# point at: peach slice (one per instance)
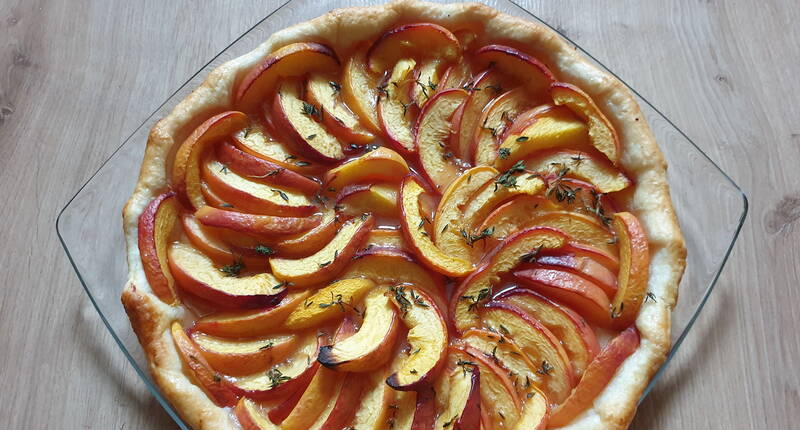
(601, 132)
(554, 375)
(393, 103)
(554, 127)
(580, 227)
(207, 240)
(426, 82)
(324, 92)
(529, 70)
(379, 199)
(315, 401)
(580, 165)
(432, 135)
(596, 377)
(329, 303)
(255, 224)
(483, 88)
(186, 167)
(257, 168)
(499, 398)
(427, 336)
(298, 119)
(477, 287)
(456, 76)
(312, 240)
(462, 410)
(412, 41)
(574, 291)
(609, 261)
(256, 141)
(573, 331)
(376, 403)
(219, 389)
(583, 266)
(285, 378)
(413, 226)
(196, 274)
(448, 214)
(250, 417)
(634, 258)
(295, 59)
(242, 357)
(535, 412)
(254, 196)
(425, 411)
(380, 165)
(518, 211)
(347, 402)
(372, 345)
(385, 238)
(359, 89)
(155, 226)
(393, 266)
(496, 117)
(326, 263)
(257, 322)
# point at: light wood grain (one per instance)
(76, 77)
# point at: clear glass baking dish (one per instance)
(710, 206)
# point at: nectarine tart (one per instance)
(405, 216)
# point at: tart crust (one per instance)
(641, 159)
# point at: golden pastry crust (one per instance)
(641, 159)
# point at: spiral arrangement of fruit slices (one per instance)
(424, 235)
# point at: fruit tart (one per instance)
(405, 216)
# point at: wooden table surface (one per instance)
(76, 77)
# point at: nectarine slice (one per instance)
(379, 199)
(317, 400)
(207, 240)
(496, 117)
(456, 76)
(386, 238)
(312, 240)
(219, 389)
(583, 266)
(426, 80)
(413, 226)
(580, 227)
(295, 59)
(251, 323)
(326, 263)
(359, 89)
(463, 408)
(154, 228)
(432, 136)
(579, 165)
(256, 141)
(601, 132)
(250, 417)
(376, 405)
(634, 269)
(415, 40)
(242, 357)
(380, 165)
(499, 398)
(526, 68)
(347, 402)
(324, 92)
(393, 107)
(264, 170)
(255, 224)
(328, 303)
(483, 88)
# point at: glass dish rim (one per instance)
(154, 390)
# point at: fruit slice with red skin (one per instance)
(253, 167)
(310, 241)
(611, 262)
(426, 82)
(358, 89)
(497, 117)
(535, 412)
(456, 196)
(324, 92)
(347, 403)
(499, 398)
(242, 357)
(416, 40)
(425, 410)
(255, 224)
(540, 345)
(582, 166)
(427, 336)
(295, 59)
(597, 376)
(254, 196)
(207, 240)
(380, 165)
(386, 238)
(601, 132)
(251, 323)
(417, 237)
(374, 411)
(583, 266)
(379, 199)
(478, 286)
(580, 294)
(574, 332)
(250, 417)
(556, 127)
(455, 76)
(298, 120)
(326, 263)
(515, 212)
(579, 227)
(196, 274)
(634, 258)
(285, 378)
(187, 164)
(463, 407)
(256, 141)
(393, 114)
(154, 227)
(218, 389)
(483, 88)
(394, 266)
(315, 400)
(432, 131)
(324, 304)
(528, 69)
(372, 345)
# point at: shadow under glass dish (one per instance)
(90, 225)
